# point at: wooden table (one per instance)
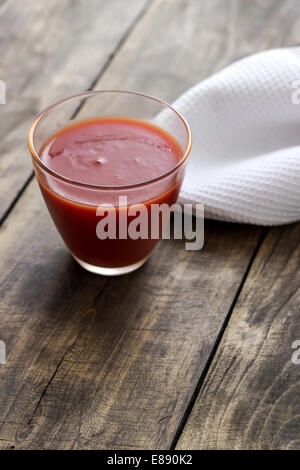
(193, 351)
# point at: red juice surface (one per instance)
(107, 152)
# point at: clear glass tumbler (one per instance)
(73, 204)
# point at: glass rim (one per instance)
(45, 112)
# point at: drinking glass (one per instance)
(73, 204)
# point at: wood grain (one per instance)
(96, 363)
(49, 50)
(250, 398)
(181, 42)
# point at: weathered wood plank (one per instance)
(250, 398)
(181, 42)
(113, 364)
(116, 361)
(47, 51)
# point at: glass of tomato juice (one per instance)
(101, 158)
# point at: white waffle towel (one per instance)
(245, 122)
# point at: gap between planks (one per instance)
(217, 342)
(111, 57)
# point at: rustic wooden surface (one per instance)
(194, 349)
(250, 397)
(49, 50)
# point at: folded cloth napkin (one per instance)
(245, 157)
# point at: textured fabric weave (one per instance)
(245, 158)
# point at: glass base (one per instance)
(110, 271)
